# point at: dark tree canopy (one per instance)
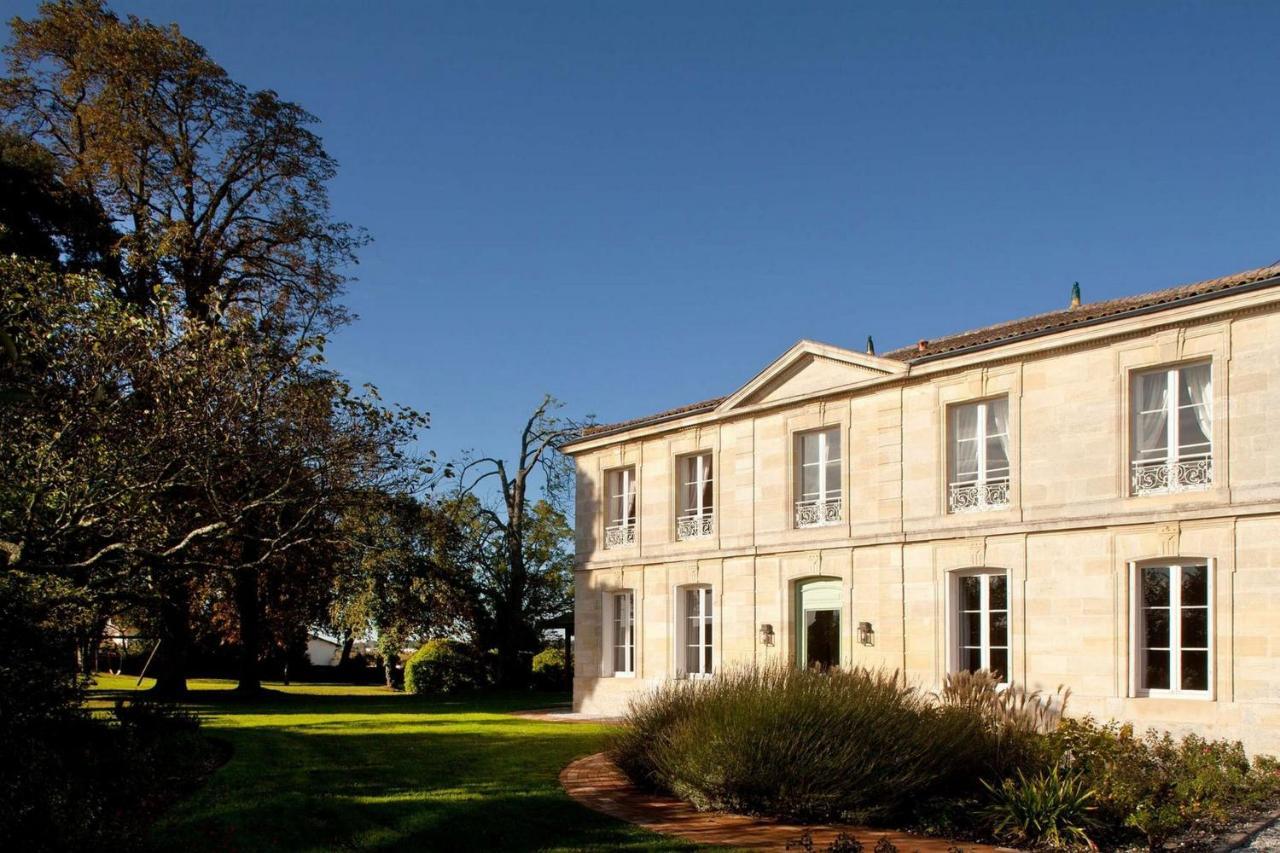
(218, 192)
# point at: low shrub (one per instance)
(443, 666)
(153, 719)
(1157, 786)
(847, 745)
(91, 783)
(1049, 809)
(549, 669)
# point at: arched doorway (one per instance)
(818, 623)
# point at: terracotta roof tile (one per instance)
(1089, 312)
(990, 336)
(691, 409)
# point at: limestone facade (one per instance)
(1068, 522)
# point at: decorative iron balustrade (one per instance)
(978, 497)
(1160, 477)
(620, 535)
(695, 526)
(819, 512)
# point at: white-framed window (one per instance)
(1171, 415)
(819, 499)
(980, 613)
(1173, 628)
(696, 515)
(620, 524)
(978, 456)
(622, 632)
(695, 632)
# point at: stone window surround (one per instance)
(1174, 348)
(951, 595)
(609, 467)
(977, 386)
(815, 418)
(949, 438)
(680, 448)
(1136, 691)
(608, 601)
(679, 645)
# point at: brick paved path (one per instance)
(597, 783)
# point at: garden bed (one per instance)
(973, 762)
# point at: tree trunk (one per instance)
(344, 660)
(248, 609)
(170, 664)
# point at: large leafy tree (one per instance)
(397, 580)
(219, 192)
(218, 228)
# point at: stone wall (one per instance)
(1068, 537)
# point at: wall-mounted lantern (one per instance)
(866, 635)
(766, 635)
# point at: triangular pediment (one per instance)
(810, 368)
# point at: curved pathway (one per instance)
(598, 784)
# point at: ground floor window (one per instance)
(623, 630)
(982, 622)
(696, 619)
(818, 623)
(1173, 627)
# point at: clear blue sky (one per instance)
(635, 206)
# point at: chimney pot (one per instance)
(920, 347)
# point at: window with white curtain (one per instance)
(620, 525)
(1173, 628)
(978, 464)
(1172, 429)
(696, 631)
(696, 516)
(981, 614)
(623, 630)
(818, 494)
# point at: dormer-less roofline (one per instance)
(957, 346)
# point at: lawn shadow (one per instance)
(398, 773)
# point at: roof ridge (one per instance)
(1046, 322)
(1088, 310)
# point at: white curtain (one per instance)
(964, 433)
(1199, 385)
(1000, 420)
(1152, 427)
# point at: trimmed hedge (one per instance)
(443, 666)
(549, 668)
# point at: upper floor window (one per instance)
(818, 496)
(982, 623)
(696, 631)
(1172, 622)
(979, 456)
(620, 527)
(697, 512)
(623, 624)
(1172, 417)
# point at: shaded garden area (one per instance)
(322, 767)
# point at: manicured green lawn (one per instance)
(325, 767)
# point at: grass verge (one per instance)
(325, 767)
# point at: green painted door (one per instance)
(818, 623)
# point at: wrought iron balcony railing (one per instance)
(978, 497)
(817, 513)
(1163, 477)
(694, 526)
(620, 535)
